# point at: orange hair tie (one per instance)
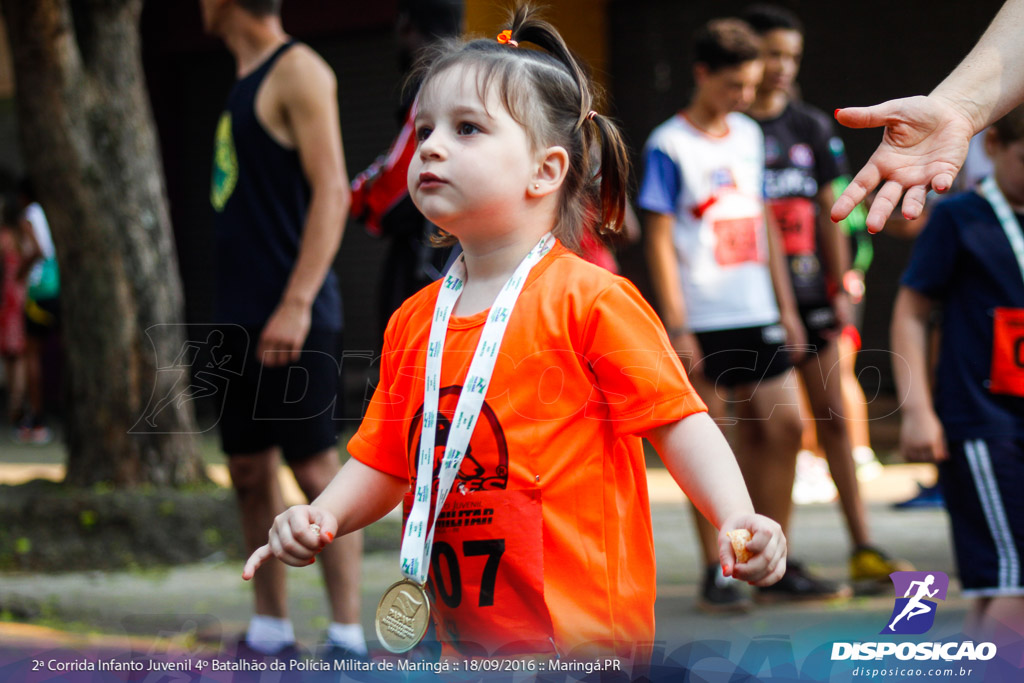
(505, 38)
(591, 115)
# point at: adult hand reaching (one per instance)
(923, 147)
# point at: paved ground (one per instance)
(196, 608)
(211, 599)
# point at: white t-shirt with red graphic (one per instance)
(714, 189)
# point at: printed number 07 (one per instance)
(452, 597)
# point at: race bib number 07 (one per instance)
(487, 574)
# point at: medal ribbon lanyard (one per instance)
(1011, 226)
(419, 529)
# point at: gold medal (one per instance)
(402, 616)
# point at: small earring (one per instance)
(536, 186)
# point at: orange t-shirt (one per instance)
(544, 544)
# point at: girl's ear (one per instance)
(552, 166)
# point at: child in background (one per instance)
(721, 283)
(561, 559)
(12, 311)
(970, 260)
(803, 158)
(42, 308)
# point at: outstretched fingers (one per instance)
(256, 560)
(874, 116)
(883, 205)
(913, 202)
(865, 181)
(942, 182)
(296, 537)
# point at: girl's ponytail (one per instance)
(613, 175)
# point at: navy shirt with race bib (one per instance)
(963, 259)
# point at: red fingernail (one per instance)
(311, 561)
(836, 113)
(330, 536)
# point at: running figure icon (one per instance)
(915, 606)
(200, 382)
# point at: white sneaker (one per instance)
(868, 466)
(813, 483)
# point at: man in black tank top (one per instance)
(280, 196)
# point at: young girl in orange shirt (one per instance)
(543, 545)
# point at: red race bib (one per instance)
(487, 574)
(1007, 376)
(736, 240)
(798, 224)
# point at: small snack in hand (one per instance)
(739, 539)
(315, 528)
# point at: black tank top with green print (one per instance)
(260, 195)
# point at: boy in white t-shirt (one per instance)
(722, 286)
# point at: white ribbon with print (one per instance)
(1007, 218)
(419, 528)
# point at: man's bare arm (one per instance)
(306, 89)
(926, 138)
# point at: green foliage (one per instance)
(87, 519)
(48, 526)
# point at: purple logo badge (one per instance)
(916, 592)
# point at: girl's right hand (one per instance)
(294, 538)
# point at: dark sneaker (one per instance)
(331, 652)
(336, 663)
(722, 595)
(242, 650)
(927, 497)
(250, 665)
(799, 585)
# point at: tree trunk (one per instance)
(90, 148)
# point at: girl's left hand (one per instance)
(767, 548)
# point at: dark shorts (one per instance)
(982, 483)
(745, 355)
(293, 407)
(41, 317)
(820, 324)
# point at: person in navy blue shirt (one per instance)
(970, 260)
